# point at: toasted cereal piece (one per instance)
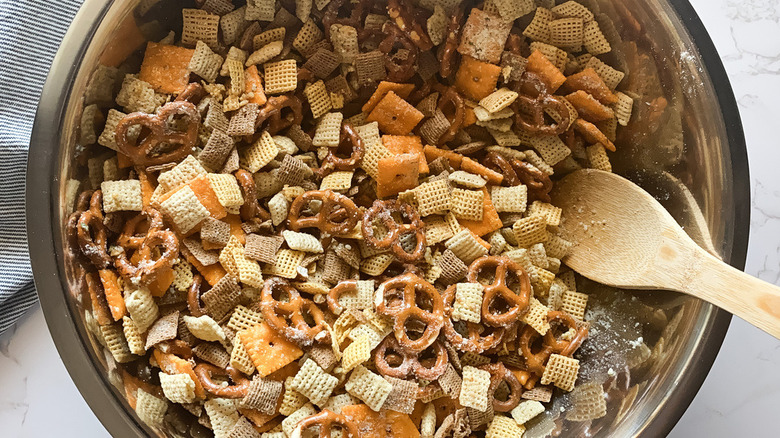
(483, 36)
(428, 421)
(323, 62)
(465, 246)
(271, 35)
(433, 197)
(200, 25)
(512, 10)
(402, 398)
(259, 153)
(467, 204)
(436, 25)
(573, 9)
(107, 138)
(293, 171)
(163, 329)
(376, 265)
(227, 256)
(433, 128)
(623, 108)
(302, 242)
(337, 181)
(281, 76)
(375, 149)
(567, 33)
(530, 230)
(314, 383)
(539, 28)
(184, 172)
(561, 371)
(212, 353)
(474, 389)
(551, 213)
(114, 339)
(243, 318)
(318, 98)
(370, 388)
(536, 317)
(504, 427)
(309, 34)
(609, 75)
(502, 125)
(122, 195)
(476, 79)
(328, 131)
(150, 409)
(436, 230)
(166, 67)
(467, 179)
(233, 25)
(227, 190)
(101, 86)
(594, 40)
(292, 420)
(178, 388)
(141, 307)
(222, 297)
(217, 150)
(263, 395)
(278, 206)
(204, 327)
(588, 402)
(287, 262)
(215, 232)
(574, 303)
(137, 95)
(249, 272)
(538, 255)
(222, 414)
(509, 199)
(292, 400)
(498, 100)
(345, 42)
(597, 157)
(506, 139)
(395, 115)
(468, 302)
(260, 10)
(527, 410)
(135, 342)
(205, 63)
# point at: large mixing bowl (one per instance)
(685, 145)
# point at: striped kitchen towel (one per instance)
(30, 32)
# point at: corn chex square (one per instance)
(313, 382)
(150, 409)
(467, 204)
(340, 181)
(122, 195)
(260, 153)
(574, 303)
(302, 242)
(328, 131)
(281, 77)
(466, 246)
(433, 197)
(527, 410)
(468, 302)
(561, 371)
(178, 388)
(371, 388)
(287, 263)
(319, 99)
(504, 427)
(474, 388)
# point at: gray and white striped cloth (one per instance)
(30, 33)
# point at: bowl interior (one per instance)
(684, 145)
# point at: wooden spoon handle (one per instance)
(753, 300)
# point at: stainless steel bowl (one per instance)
(685, 145)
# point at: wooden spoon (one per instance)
(624, 238)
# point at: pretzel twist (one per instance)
(250, 209)
(337, 215)
(288, 317)
(394, 361)
(536, 356)
(398, 298)
(515, 302)
(148, 267)
(193, 93)
(398, 71)
(146, 151)
(325, 421)
(92, 234)
(500, 374)
(497, 162)
(384, 210)
(403, 19)
(478, 337)
(538, 183)
(239, 388)
(448, 55)
(193, 297)
(348, 137)
(344, 286)
(449, 96)
(533, 102)
(272, 113)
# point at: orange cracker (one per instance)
(268, 350)
(592, 134)
(172, 364)
(432, 153)
(384, 87)
(406, 144)
(163, 280)
(116, 303)
(234, 221)
(547, 71)
(212, 273)
(166, 68)
(205, 194)
(396, 174)
(123, 161)
(589, 108)
(590, 81)
(99, 306)
(254, 84)
(147, 188)
(258, 419)
(380, 424)
(490, 220)
(469, 165)
(476, 79)
(395, 115)
(128, 39)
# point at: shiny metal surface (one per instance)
(685, 145)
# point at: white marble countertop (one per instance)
(741, 393)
